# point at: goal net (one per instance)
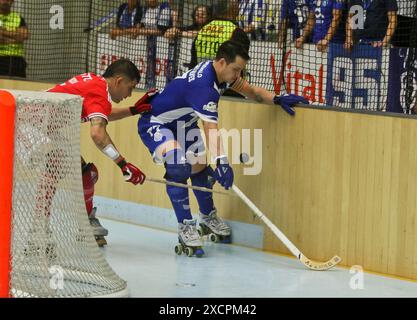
(53, 252)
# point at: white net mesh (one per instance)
(54, 253)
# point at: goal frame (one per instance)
(7, 114)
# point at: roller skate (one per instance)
(98, 230)
(189, 239)
(40, 244)
(213, 226)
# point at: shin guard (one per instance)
(90, 177)
(204, 199)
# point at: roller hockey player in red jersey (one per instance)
(98, 93)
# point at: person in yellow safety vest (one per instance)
(222, 28)
(13, 32)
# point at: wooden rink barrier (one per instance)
(333, 182)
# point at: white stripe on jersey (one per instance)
(172, 115)
(95, 114)
(206, 118)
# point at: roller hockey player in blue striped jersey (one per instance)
(171, 134)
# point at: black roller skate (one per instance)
(213, 226)
(189, 239)
(98, 230)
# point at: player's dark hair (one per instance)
(241, 37)
(122, 67)
(229, 50)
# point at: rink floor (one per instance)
(145, 258)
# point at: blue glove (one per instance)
(224, 173)
(287, 101)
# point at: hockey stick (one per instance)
(102, 22)
(175, 184)
(314, 265)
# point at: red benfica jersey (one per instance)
(96, 102)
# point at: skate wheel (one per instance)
(214, 237)
(101, 241)
(178, 249)
(199, 253)
(189, 251)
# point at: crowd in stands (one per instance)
(377, 23)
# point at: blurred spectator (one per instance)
(379, 25)
(13, 33)
(252, 18)
(128, 17)
(223, 27)
(201, 15)
(156, 18)
(325, 22)
(294, 14)
(405, 35)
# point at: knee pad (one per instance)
(90, 177)
(176, 166)
(204, 178)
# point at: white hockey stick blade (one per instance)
(317, 265)
(311, 264)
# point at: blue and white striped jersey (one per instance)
(187, 98)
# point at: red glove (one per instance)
(131, 173)
(143, 105)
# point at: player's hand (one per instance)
(322, 45)
(131, 173)
(143, 104)
(224, 173)
(299, 42)
(348, 45)
(287, 102)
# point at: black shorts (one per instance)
(12, 66)
(406, 33)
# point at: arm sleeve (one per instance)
(391, 5)
(22, 22)
(339, 4)
(95, 105)
(205, 101)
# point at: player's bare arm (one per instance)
(101, 138)
(141, 106)
(119, 113)
(261, 95)
(252, 92)
(103, 141)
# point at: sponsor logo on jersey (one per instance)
(210, 107)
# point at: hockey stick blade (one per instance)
(317, 265)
